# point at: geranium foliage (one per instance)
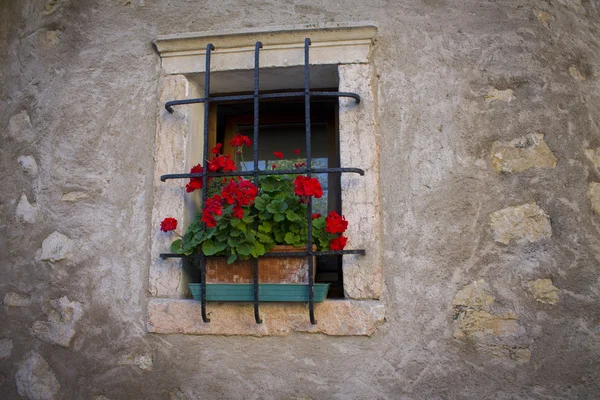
(242, 220)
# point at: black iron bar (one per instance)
(255, 171)
(360, 252)
(309, 244)
(278, 95)
(209, 47)
(265, 172)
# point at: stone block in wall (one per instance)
(524, 223)
(521, 154)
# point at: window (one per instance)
(341, 50)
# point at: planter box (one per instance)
(266, 292)
(270, 269)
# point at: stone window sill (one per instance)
(334, 317)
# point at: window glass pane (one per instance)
(286, 138)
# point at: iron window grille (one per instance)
(255, 172)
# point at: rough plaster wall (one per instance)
(78, 94)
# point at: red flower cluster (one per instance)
(212, 207)
(316, 215)
(297, 151)
(278, 154)
(217, 149)
(241, 192)
(338, 243)
(240, 140)
(334, 223)
(195, 183)
(299, 164)
(223, 163)
(306, 187)
(168, 224)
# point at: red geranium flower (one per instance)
(168, 224)
(238, 212)
(195, 183)
(241, 192)
(334, 223)
(217, 149)
(240, 140)
(316, 215)
(296, 151)
(224, 163)
(304, 186)
(212, 207)
(338, 243)
(278, 154)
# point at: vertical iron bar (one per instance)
(209, 47)
(309, 244)
(255, 170)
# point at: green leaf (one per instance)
(277, 206)
(265, 227)
(292, 216)
(261, 202)
(233, 241)
(209, 248)
(176, 247)
(264, 238)
(245, 249)
(318, 223)
(279, 217)
(258, 250)
(231, 259)
(289, 238)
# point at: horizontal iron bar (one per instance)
(277, 254)
(266, 172)
(281, 95)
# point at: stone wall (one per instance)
(489, 122)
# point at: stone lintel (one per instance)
(334, 317)
(331, 44)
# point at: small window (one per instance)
(339, 61)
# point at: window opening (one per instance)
(308, 170)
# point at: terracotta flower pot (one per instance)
(270, 269)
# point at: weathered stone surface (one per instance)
(12, 299)
(499, 95)
(6, 346)
(524, 223)
(28, 165)
(543, 291)
(74, 196)
(50, 38)
(35, 380)
(520, 355)
(575, 5)
(594, 195)
(26, 212)
(594, 156)
(543, 17)
(177, 394)
(56, 247)
(473, 297)
(19, 127)
(521, 154)
(334, 317)
(576, 74)
(143, 362)
(471, 307)
(60, 327)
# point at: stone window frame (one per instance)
(346, 45)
